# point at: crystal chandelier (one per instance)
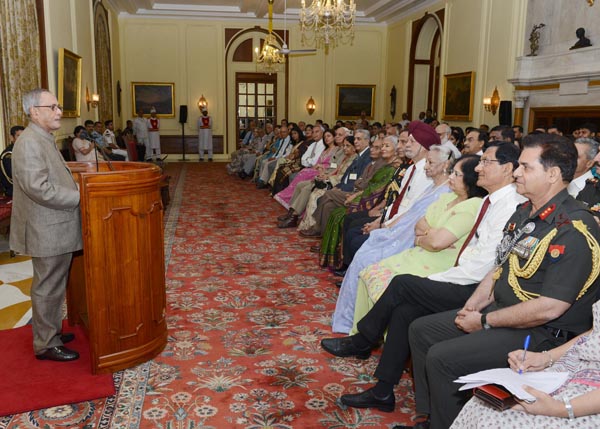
(327, 22)
(269, 58)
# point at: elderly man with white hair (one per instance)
(444, 131)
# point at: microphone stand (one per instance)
(105, 154)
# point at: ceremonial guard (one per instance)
(205, 140)
(153, 148)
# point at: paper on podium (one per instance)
(547, 382)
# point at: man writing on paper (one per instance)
(45, 222)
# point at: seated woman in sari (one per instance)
(322, 164)
(330, 251)
(446, 216)
(289, 165)
(308, 192)
(580, 357)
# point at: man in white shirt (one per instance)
(409, 297)
(140, 128)
(312, 154)
(444, 131)
(111, 141)
(586, 151)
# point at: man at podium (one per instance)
(45, 221)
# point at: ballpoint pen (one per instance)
(525, 347)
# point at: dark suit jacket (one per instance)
(357, 167)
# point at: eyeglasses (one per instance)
(485, 162)
(53, 107)
(456, 173)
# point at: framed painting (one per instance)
(146, 95)
(69, 83)
(353, 100)
(458, 96)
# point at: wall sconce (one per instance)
(202, 103)
(310, 106)
(92, 100)
(491, 103)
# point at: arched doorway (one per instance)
(424, 64)
(250, 93)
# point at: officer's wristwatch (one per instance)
(484, 322)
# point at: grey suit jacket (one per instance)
(45, 220)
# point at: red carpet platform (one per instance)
(30, 384)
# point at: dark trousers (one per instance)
(441, 353)
(353, 236)
(407, 298)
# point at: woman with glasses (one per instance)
(426, 240)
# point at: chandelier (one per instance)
(269, 58)
(327, 22)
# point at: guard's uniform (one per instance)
(205, 138)
(153, 148)
(557, 256)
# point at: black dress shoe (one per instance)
(286, 216)
(315, 249)
(339, 283)
(310, 233)
(420, 425)
(261, 185)
(67, 338)
(291, 222)
(339, 273)
(344, 347)
(58, 354)
(367, 399)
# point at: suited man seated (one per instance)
(336, 197)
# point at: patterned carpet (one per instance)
(247, 307)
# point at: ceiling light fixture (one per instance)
(268, 59)
(327, 22)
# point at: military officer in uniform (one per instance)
(544, 285)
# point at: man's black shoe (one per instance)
(344, 347)
(67, 338)
(339, 273)
(58, 354)
(339, 284)
(367, 399)
(420, 425)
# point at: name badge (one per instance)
(353, 176)
(333, 165)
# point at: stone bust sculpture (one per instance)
(583, 41)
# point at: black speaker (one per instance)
(182, 114)
(505, 113)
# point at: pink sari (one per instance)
(284, 197)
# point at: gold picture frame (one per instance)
(352, 100)
(69, 83)
(459, 90)
(160, 95)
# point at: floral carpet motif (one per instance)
(247, 307)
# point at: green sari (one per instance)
(331, 244)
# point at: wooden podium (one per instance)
(116, 286)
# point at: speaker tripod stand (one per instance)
(183, 143)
